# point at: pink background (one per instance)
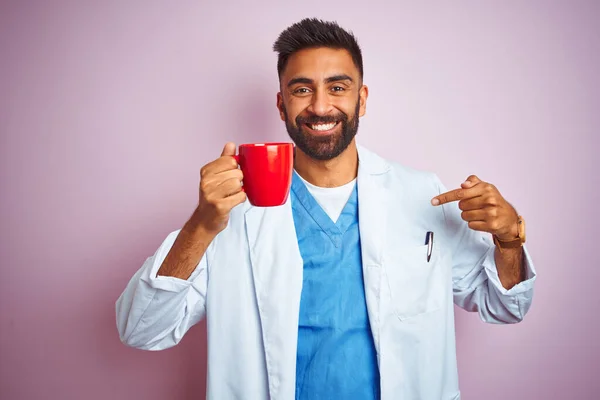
(108, 111)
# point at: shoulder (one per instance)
(400, 175)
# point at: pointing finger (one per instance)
(453, 195)
(456, 195)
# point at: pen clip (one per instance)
(429, 243)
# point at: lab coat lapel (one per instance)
(373, 204)
(277, 271)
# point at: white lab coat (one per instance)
(248, 286)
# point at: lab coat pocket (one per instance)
(416, 285)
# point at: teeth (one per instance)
(323, 127)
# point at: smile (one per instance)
(323, 128)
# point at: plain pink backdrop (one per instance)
(109, 109)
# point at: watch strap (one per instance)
(512, 244)
(516, 242)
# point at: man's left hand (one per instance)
(483, 207)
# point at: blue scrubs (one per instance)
(336, 356)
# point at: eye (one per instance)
(302, 90)
(337, 89)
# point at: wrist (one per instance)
(197, 228)
(511, 239)
(512, 234)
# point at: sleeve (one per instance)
(154, 312)
(476, 285)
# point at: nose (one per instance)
(320, 104)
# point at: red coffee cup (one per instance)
(267, 169)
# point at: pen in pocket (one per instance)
(429, 243)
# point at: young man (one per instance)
(334, 295)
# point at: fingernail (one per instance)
(435, 202)
(467, 182)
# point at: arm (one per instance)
(154, 312)
(510, 264)
(497, 285)
(166, 297)
(188, 249)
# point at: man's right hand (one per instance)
(220, 191)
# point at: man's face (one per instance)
(320, 101)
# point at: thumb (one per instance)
(471, 181)
(229, 149)
(466, 184)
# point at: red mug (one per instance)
(267, 169)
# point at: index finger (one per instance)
(456, 195)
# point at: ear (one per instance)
(363, 94)
(280, 106)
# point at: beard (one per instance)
(326, 147)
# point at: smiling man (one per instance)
(348, 290)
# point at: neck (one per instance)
(331, 173)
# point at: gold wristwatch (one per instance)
(514, 243)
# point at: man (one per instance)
(336, 294)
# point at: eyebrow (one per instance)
(308, 81)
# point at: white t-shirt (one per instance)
(331, 200)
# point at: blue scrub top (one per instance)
(336, 356)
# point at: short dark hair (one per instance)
(314, 33)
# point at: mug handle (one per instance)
(236, 157)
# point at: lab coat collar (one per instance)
(370, 162)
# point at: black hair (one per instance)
(314, 33)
